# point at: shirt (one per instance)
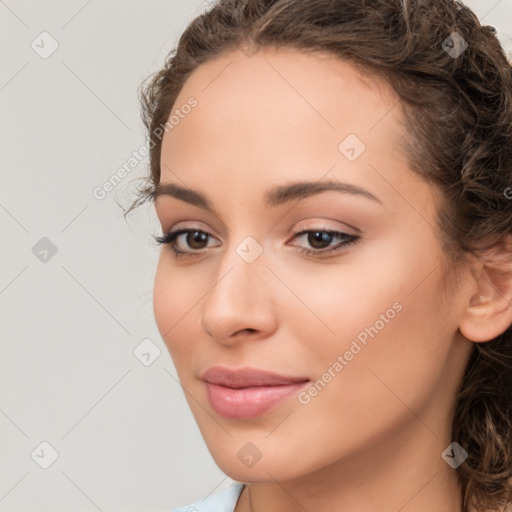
(223, 501)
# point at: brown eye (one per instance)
(319, 239)
(195, 239)
(186, 242)
(320, 242)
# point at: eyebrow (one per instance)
(275, 196)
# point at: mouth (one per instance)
(248, 392)
(246, 377)
(241, 403)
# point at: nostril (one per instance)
(248, 330)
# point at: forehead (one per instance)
(277, 110)
(318, 68)
(306, 82)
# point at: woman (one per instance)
(333, 180)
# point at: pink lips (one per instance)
(248, 392)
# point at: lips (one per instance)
(248, 392)
(245, 403)
(247, 377)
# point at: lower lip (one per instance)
(249, 402)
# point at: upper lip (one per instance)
(246, 377)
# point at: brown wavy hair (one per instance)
(458, 113)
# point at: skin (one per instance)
(373, 437)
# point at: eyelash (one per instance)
(170, 238)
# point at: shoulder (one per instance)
(223, 501)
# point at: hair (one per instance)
(458, 116)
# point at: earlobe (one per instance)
(489, 309)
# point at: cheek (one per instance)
(386, 318)
(341, 300)
(173, 301)
(163, 299)
(387, 380)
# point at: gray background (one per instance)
(70, 321)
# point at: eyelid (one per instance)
(322, 225)
(199, 226)
(172, 219)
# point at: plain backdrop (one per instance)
(91, 414)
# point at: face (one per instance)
(339, 282)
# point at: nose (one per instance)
(241, 301)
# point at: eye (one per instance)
(196, 239)
(321, 240)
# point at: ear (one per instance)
(487, 312)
